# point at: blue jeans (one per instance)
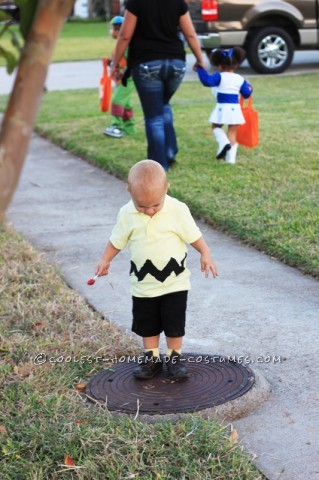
(156, 82)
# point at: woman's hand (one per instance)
(116, 73)
(199, 64)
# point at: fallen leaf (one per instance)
(80, 387)
(37, 324)
(26, 370)
(23, 371)
(16, 278)
(3, 430)
(69, 462)
(233, 438)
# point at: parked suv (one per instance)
(269, 31)
(11, 9)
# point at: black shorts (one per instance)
(154, 315)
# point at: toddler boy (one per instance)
(156, 228)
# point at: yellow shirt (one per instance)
(157, 245)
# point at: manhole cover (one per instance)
(212, 380)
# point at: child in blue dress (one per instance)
(227, 86)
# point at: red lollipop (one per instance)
(91, 281)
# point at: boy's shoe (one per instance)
(176, 366)
(113, 131)
(149, 366)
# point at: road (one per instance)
(86, 74)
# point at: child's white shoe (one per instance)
(231, 154)
(223, 142)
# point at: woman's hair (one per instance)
(231, 58)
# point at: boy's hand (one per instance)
(102, 268)
(208, 265)
(206, 260)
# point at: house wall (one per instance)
(81, 9)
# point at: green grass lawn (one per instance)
(83, 41)
(77, 41)
(268, 199)
(43, 416)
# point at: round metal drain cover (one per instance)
(212, 380)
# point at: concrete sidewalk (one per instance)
(257, 308)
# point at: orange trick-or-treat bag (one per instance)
(248, 133)
(105, 87)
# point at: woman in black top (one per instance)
(156, 60)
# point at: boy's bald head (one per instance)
(147, 176)
(147, 184)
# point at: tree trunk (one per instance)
(107, 8)
(91, 8)
(27, 93)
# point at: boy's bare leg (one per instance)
(151, 342)
(174, 343)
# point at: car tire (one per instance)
(270, 50)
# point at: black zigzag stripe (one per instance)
(160, 275)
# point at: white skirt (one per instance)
(227, 114)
